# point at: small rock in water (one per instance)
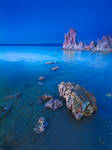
(109, 95)
(9, 97)
(46, 97)
(41, 125)
(41, 78)
(55, 68)
(16, 96)
(54, 104)
(4, 110)
(50, 62)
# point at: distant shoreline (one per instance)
(43, 44)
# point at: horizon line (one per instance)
(31, 44)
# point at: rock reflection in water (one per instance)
(69, 55)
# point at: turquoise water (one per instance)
(20, 68)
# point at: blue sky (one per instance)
(41, 21)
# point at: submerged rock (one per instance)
(55, 68)
(46, 97)
(15, 96)
(4, 110)
(41, 125)
(109, 95)
(9, 97)
(78, 100)
(18, 95)
(41, 78)
(50, 62)
(54, 104)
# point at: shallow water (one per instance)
(20, 68)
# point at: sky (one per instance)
(46, 21)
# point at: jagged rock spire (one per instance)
(70, 43)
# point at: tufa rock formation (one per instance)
(70, 40)
(78, 100)
(70, 43)
(105, 43)
(54, 104)
(41, 125)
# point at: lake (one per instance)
(20, 68)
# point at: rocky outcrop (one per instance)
(92, 45)
(4, 110)
(41, 78)
(46, 97)
(55, 68)
(78, 100)
(70, 40)
(70, 43)
(80, 46)
(54, 104)
(105, 43)
(41, 125)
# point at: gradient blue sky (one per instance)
(39, 21)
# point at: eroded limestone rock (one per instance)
(54, 104)
(55, 68)
(70, 42)
(70, 39)
(41, 125)
(78, 100)
(46, 97)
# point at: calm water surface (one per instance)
(20, 68)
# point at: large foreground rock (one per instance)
(81, 102)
